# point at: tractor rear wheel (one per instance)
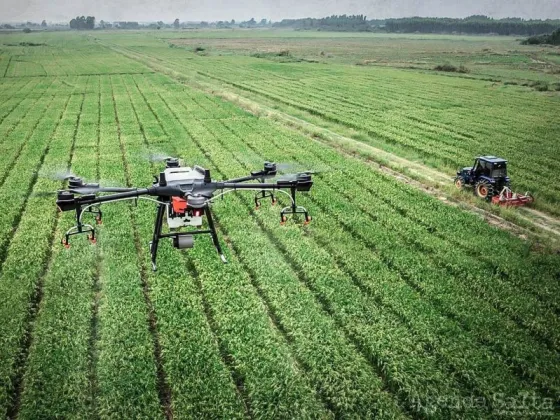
(484, 190)
(459, 182)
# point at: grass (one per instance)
(390, 304)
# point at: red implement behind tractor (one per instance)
(508, 198)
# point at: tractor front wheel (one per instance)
(484, 190)
(459, 182)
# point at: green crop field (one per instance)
(391, 303)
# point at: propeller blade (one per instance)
(94, 189)
(57, 175)
(158, 156)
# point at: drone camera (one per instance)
(183, 241)
(196, 201)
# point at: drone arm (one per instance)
(291, 184)
(66, 200)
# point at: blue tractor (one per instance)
(489, 178)
(488, 175)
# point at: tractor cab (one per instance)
(490, 167)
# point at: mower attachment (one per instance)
(508, 198)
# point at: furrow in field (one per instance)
(14, 100)
(24, 270)
(126, 369)
(16, 143)
(187, 340)
(14, 192)
(57, 346)
(18, 116)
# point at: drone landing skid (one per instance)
(262, 195)
(182, 240)
(77, 230)
(294, 209)
(82, 228)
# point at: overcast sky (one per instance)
(211, 10)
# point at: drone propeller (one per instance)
(159, 157)
(58, 175)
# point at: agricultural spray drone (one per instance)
(183, 196)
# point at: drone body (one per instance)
(183, 195)
(179, 214)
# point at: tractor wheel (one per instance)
(459, 182)
(484, 190)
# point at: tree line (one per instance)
(472, 25)
(82, 22)
(477, 24)
(332, 23)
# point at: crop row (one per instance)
(197, 376)
(25, 266)
(268, 378)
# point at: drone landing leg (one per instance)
(214, 234)
(294, 209)
(261, 195)
(157, 234)
(79, 229)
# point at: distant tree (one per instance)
(8, 26)
(81, 22)
(233, 22)
(176, 24)
(102, 24)
(27, 30)
(263, 22)
(252, 21)
(44, 23)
